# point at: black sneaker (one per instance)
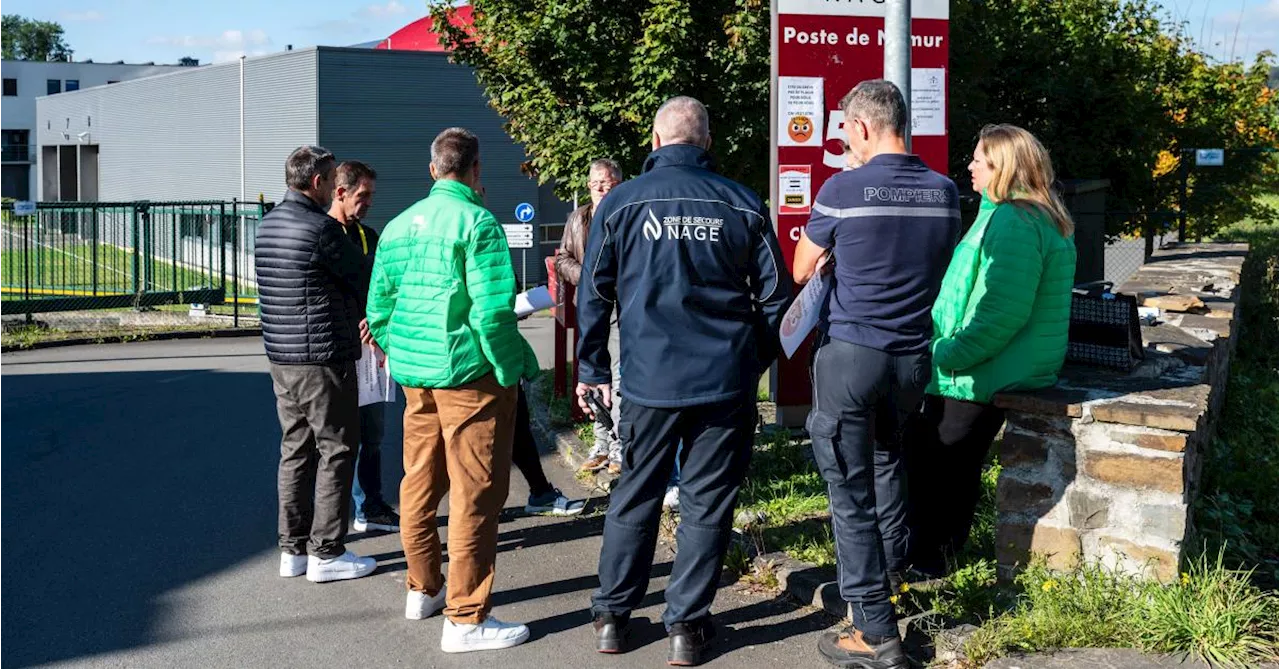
(611, 632)
(689, 641)
(849, 648)
(384, 519)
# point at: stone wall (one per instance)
(1104, 465)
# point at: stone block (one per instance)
(1088, 511)
(1055, 401)
(1173, 442)
(1016, 496)
(1165, 416)
(1179, 303)
(1019, 450)
(1157, 562)
(1167, 521)
(1135, 471)
(1016, 542)
(1046, 426)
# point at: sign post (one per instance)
(821, 49)
(521, 237)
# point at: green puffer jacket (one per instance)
(442, 296)
(1000, 321)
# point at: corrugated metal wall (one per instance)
(170, 137)
(279, 116)
(385, 107)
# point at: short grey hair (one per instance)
(455, 151)
(305, 164)
(682, 120)
(879, 103)
(606, 165)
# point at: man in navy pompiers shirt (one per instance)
(692, 264)
(892, 225)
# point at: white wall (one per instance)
(19, 112)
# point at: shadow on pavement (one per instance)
(119, 488)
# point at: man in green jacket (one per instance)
(441, 305)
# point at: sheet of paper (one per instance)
(928, 101)
(795, 186)
(803, 315)
(373, 376)
(535, 299)
(800, 111)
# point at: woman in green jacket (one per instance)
(999, 324)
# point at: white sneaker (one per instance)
(492, 634)
(345, 566)
(292, 565)
(672, 499)
(420, 605)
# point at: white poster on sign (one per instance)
(800, 111)
(795, 188)
(373, 376)
(803, 315)
(928, 101)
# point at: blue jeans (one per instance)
(366, 489)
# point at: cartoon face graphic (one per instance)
(800, 129)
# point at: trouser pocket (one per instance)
(824, 430)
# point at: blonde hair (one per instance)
(1021, 173)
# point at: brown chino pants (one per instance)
(456, 441)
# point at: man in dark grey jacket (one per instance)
(310, 283)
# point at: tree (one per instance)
(1112, 88)
(581, 79)
(29, 39)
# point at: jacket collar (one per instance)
(303, 201)
(456, 189)
(679, 155)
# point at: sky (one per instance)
(139, 31)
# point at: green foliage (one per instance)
(1236, 512)
(1211, 612)
(28, 39)
(1112, 88)
(581, 79)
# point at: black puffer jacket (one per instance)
(310, 283)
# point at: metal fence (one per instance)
(111, 261)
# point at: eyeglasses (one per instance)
(601, 184)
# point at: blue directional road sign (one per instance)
(524, 212)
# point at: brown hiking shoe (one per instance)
(595, 463)
(615, 468)
(849, 648)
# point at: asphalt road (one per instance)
(138, 489)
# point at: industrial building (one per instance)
(24, 81)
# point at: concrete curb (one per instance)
(135, 337)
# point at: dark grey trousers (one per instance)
(320, 420)
(861, 400)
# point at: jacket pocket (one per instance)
(824, 430)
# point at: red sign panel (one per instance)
(821, 50)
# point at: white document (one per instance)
(803, 315)
(800, 111)
(536, 299)
(373, 376)
(928, 101)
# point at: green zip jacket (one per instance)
(1000, 321)
(442, 297)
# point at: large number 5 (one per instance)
(835, 128)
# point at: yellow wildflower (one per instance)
(1049, 585)
(1186, 578)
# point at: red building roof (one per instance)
(418, 36)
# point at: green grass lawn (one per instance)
(76, 270)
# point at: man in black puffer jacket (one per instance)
(310, 283)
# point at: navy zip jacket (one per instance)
(690, 260)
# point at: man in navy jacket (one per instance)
(691, 264)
